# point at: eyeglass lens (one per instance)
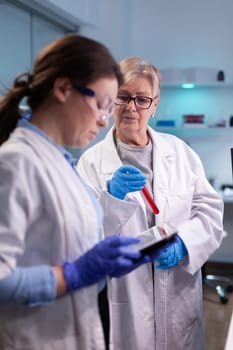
(103, 102)
(143, 102)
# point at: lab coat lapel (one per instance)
(163, 157)
(111, 159)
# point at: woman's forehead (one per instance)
(140, 84)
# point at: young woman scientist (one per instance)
(158, 306)
(50, 223)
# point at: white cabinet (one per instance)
(190, 77)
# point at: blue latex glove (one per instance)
(126, 179)
(111, 254)
(170, 255)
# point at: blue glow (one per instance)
(188, 86)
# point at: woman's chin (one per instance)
(85, 142)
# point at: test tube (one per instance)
(150, 200)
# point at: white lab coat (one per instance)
(46, 217)
(161, 311)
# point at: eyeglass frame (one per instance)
(130, 98)
(91, 93)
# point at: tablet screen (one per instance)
(154, 238)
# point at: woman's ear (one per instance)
(157, 101)
(62, 88)
(155, 104)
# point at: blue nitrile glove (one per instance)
(171, 255)
(32, 286)
(107, 256)
(119, 272)
(126, 179)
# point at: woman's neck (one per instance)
(136, 139)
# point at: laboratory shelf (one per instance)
(198, 86)
(196, 132)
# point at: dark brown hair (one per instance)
(78, 58)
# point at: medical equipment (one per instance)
(111, 254)
(155, 237)
(150, 200)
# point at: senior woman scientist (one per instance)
(50, 222)
(158, 306)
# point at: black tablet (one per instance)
(154, 238)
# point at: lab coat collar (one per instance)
(25, 123)
(109, 154)
(112, 159)
(162, 146)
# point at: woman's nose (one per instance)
(103, 121)
(131, 105)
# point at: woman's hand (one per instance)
(126, 179)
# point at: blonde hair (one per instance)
(135, 67)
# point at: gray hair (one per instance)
(135, 67)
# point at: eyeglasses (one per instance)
(103, 102)
(141, 102)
